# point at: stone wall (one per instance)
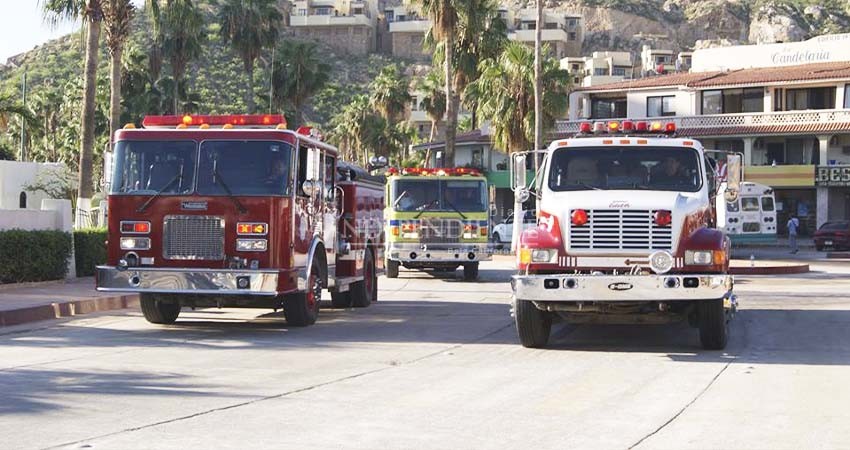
(355, 40)
(409, 46)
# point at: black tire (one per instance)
(470, 271)
(532, 325)
(302, 309)
(364, 292)
(819, 248)
(713, 326)
(497, 238)
(157, 309)
(392, 269)
(341, 300)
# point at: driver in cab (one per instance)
(670, 171)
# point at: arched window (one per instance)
(22, 201)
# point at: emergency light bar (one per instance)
(215, 120)
(626, 127)
(459, 171)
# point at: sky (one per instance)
(22, 27)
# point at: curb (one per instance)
(838, 255)
(67, 309)
(770, 270)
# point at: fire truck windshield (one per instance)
(641, 168)
(168, 167)
(435, 194)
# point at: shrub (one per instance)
(38, 255)
(89, 250)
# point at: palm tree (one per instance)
(482, 34)
(154, 10)
(434, 103)
(91, 13)
(10, 107)
(444, 20)
(250, 26)
(390, 94)
(117, 18)
(182, 39)
(505, 92)
(298, 75)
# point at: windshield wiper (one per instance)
(217, 179)
(455, 208)
(401, 196)
(156, 194)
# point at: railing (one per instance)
(810, 117)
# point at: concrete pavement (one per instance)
(436, 364)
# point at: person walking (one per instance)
(793, 225)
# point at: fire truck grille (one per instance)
(439, 231)
(193, 237)
(618, 229)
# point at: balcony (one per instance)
(410, 26)
(318, 21)
(747, 124)
(548, 35)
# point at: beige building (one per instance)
(599, 68)
(407, 32)
(657, 61)
(562, 32)
(346, 25)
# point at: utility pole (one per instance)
(23, 156)
(538, 93)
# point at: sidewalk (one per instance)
(51, 300)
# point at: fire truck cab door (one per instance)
(315, 211)
(329, 211)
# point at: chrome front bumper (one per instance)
(187, 281)
(439, 253)
(619, 288)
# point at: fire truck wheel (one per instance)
(713, 327)
(302, 309)
(470, 271)
(363, 292)
(532, 325)
(157, 310)
(341, 300)
(392, 269)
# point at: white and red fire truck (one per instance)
(238, 211)
(628, 233)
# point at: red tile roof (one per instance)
(764, 75)
(765, 129)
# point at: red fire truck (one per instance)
(238, 211)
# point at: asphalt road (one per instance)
(436, 364)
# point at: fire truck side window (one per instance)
(330, 179)
(302, 170)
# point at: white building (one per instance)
(599, 68)
(563, 33)
(347, 25)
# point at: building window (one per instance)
(323, 11)
(600, 71)
(390, 15)
(660, 106)
(732, 101)
(607, 108)
(618, 71)
(22, 200)
(847, 96)
(811, 98)
(572, 36)
(302, 12)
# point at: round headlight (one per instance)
(661, 261)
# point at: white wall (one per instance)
(15, 175)
(685, 102)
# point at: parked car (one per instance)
(503, 232)
(834, 235)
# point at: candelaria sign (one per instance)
(826, 48)
(832, 176)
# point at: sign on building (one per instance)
(832, 176)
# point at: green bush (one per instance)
(33, 255)
(89, 250)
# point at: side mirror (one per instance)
(733, 178)
(314, 164)
(310, 187)
(518, 172)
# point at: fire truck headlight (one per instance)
(698, 257)
(661, 262)
(547, 255)
(251, 245)
(135, 243)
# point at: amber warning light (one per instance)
(217, 120)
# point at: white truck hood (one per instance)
(681, 204)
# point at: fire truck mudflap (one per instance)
(187, 281)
